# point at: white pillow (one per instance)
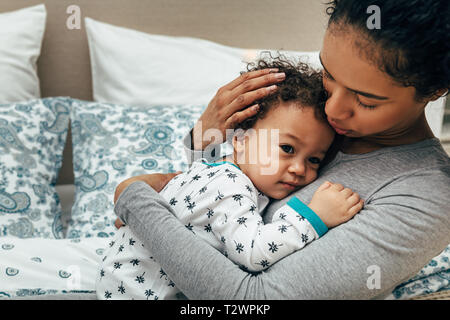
(138, 68)
(21, 34)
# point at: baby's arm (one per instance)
(255, 245)
(247, 240)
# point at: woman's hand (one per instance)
(230, 105)
(118, 223)
(156, 180)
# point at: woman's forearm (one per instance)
(335, 267)
(156, 181)
(202, 272)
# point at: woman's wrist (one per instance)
(198, 138)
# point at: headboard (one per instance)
(64, 68)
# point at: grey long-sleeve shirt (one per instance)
(404, 224)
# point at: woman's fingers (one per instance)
(248, 88)
(118, 223)
(254, 83)
(246, 99)
(230, 104)
(248, 91)
(248, 76)
(240, 116)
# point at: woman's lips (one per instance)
(337, 129)
(340, 131)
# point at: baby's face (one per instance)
(283, 151)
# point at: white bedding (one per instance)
(49, 266)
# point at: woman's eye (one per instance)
(287, 148)
(314, 160)
(367, 106)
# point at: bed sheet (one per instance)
(59, 269)
(66, 269)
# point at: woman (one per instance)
(379, 82)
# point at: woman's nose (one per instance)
(339, 104)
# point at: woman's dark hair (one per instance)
(302, 85)
(414, 36)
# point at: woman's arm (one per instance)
(156, 180)
(363, 258)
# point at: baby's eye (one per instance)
(287, 148)
(314, 160)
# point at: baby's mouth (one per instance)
(289, 185)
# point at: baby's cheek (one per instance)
(312, 175)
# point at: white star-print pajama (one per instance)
(219, 203)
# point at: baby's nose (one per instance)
(297, 168)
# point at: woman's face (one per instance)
(364, 101)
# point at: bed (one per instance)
(100, 75)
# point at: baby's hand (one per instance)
(335, 204)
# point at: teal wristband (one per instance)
(306, 212)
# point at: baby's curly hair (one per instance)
(302, 86)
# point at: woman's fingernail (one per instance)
(280, 76)
(256, 107)
(273, 70)
(272, 88)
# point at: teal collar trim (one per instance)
(215, 164)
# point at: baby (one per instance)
(275, 153)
